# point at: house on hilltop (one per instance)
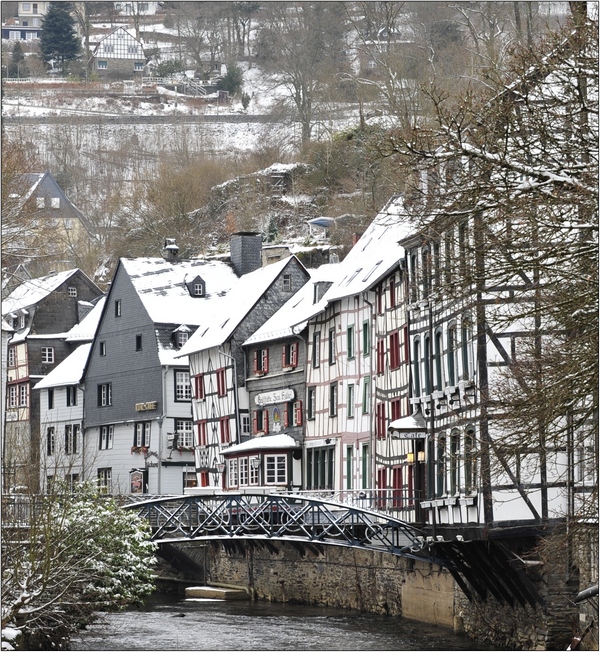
(42, 219)
(119, 55)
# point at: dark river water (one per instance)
(169, 622)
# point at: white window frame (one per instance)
(23, 395)
(275, 469)
(106, 437)
(183, 388)
(185, 432)
(47, 355)
(232, 476)
(142, 434)
(104, 476)
(71, 438)
(243, 468)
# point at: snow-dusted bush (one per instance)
(64, 556)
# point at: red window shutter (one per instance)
(286, 416)
(392, 292)
(204, 478)
(224, 430)
(256, 370)
(200, 386)
(380, 357)
(265, 421)
(202, 433)
(294, 354)
(283, 357)
(255, 422)
(265, 360)
(298, 413)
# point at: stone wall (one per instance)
(337, 577)
(381, 583)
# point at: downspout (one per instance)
(161, 421)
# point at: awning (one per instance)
(411, 427)
(268, 442)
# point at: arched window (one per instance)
(470, 460)
(454, 462)
(427, 364)
(438, 360)
(440, 489)
(417, 367)
(466, 341)
(414, 286)
(426, 262)
(451, 356)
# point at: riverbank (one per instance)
(382, 584)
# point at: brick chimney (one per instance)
(246, 252)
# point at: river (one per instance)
(169, 622)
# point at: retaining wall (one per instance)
(382, 583)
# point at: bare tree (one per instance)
(303, 46)
(521, 166)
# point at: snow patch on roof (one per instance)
(281, 441)
(32, 291)
(86, 328)
(69, 371)
(161, 286)
(291, 318)
(234, 307)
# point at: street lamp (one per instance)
(255, 462)
(217, 470)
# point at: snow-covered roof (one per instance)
(69, 371)
(291, 318)
(32, 291)
(374, 255)
(232, 309)
(86, 328)
(268, 442)
(161, 286)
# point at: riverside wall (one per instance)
(381, 583)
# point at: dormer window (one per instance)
(196, 287)
(181, 335)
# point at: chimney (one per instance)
(246, 252)
(170, 250)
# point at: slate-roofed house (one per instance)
(119, 55)
(220, 371)
(41, 311)
(138, 402)
(54, 224)
(61, 396)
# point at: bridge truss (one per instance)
(273, 517)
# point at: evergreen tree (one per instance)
(59, 40)
(17, 67)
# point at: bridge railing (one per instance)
(398, 503)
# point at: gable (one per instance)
(120, 44)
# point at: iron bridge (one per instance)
(277, 517)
